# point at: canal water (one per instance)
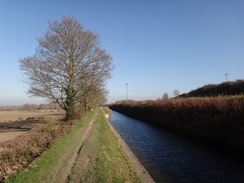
(172, 158)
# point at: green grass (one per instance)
(53, 164)
(101, 158)
(107, 160)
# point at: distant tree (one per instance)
(42, 107)
(50, 106)
(176, 93)
(65, 60)
(165, 96)
(54, 106)
(29, 107)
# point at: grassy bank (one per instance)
(219, 120)
(17, 153)
(102, 159)
(99, 159)
(53, 165)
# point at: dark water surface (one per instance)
(172, 158)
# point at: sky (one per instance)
(157, 45)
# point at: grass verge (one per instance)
(102, 159)
(53, 164)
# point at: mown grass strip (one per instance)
(102, 159)
(53, 165)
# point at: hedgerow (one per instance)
(216, 119)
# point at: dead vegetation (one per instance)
(212, 119)
(25, 135)
(18, 152)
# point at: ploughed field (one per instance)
(14, 123)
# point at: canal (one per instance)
(169, 157)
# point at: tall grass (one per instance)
(217, 119)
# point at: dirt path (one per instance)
(79, 147)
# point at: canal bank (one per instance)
(139, 168)
(90, 152)
(213, 120)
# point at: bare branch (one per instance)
(68, 65)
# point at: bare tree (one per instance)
(93, 91)
(29, 107)
(50, 106)
(176, 93)
(165, 96)
(65, 60)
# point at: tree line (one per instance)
(213, 90)
(31, 107)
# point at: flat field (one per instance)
(15, 115)
(13, 123)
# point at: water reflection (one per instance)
(170, 157)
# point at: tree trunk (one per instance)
(70, 103)
(85, 106)
(70, 111)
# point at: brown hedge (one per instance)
(219, 120)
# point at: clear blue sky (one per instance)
(157, 45)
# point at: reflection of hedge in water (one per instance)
(220, 120)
